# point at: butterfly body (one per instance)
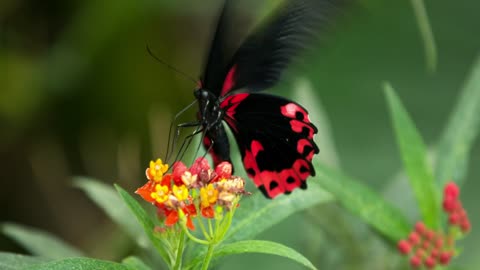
(274, 134)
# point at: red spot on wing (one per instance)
(229, 81)
(294, 111)
(298, 126)
(301, 145)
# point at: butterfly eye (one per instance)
(204, 94)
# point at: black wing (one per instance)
(259, 62)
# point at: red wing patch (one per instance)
(229, 105)
(229, 81)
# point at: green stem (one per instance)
(195, 239)
(210, 227)
(180, 247)
(208, 257)
(202, 227)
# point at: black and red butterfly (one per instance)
(274, 134)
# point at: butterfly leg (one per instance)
(170, 149)
(188, 139)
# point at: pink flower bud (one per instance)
(445, 257)
(451, 190)
(420, 227)
(224, 170)
(199, 165)
(415, 261)
(404, 247)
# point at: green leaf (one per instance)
(256, 214)
(460, 133)
(426, 33)
(363, 202)
(78, 264)
(35, 241)
(108, 199)
(257, 246)
(144, 219)
(135, 263)
(11, 261)
(414, 156)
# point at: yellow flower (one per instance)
(156, 170)
(208, 195)
(181, 192)
(161, 193)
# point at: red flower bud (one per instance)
(465, 226)
(199, 165)
(414, 238)
(445, 257)
(420, 227)
(454, 218)
(451, 190)
(430, 262)
(415, 261)
(224, 170)
(404, 247)
(178, 169)
(449, 204)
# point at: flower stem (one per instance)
(180, 247)
(195, 239)
(202, 227)
(210, 228)
(208, 256)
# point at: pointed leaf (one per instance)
(414, 156)
(256, 246)
(257, 213)
(363, 202)
(135, 263)
(426, 33)
(106, 197)
(144, 219)
(78, 264)
(35, 241)
(460, 133)
(11, 261)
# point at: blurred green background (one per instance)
(79, 95)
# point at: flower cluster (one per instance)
(457, 216)
(185, 192)
(429, 247)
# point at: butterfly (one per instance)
(274, 135)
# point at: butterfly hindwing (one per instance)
(275, 138)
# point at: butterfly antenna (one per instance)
(185, 75)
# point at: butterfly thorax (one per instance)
(210, 116)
